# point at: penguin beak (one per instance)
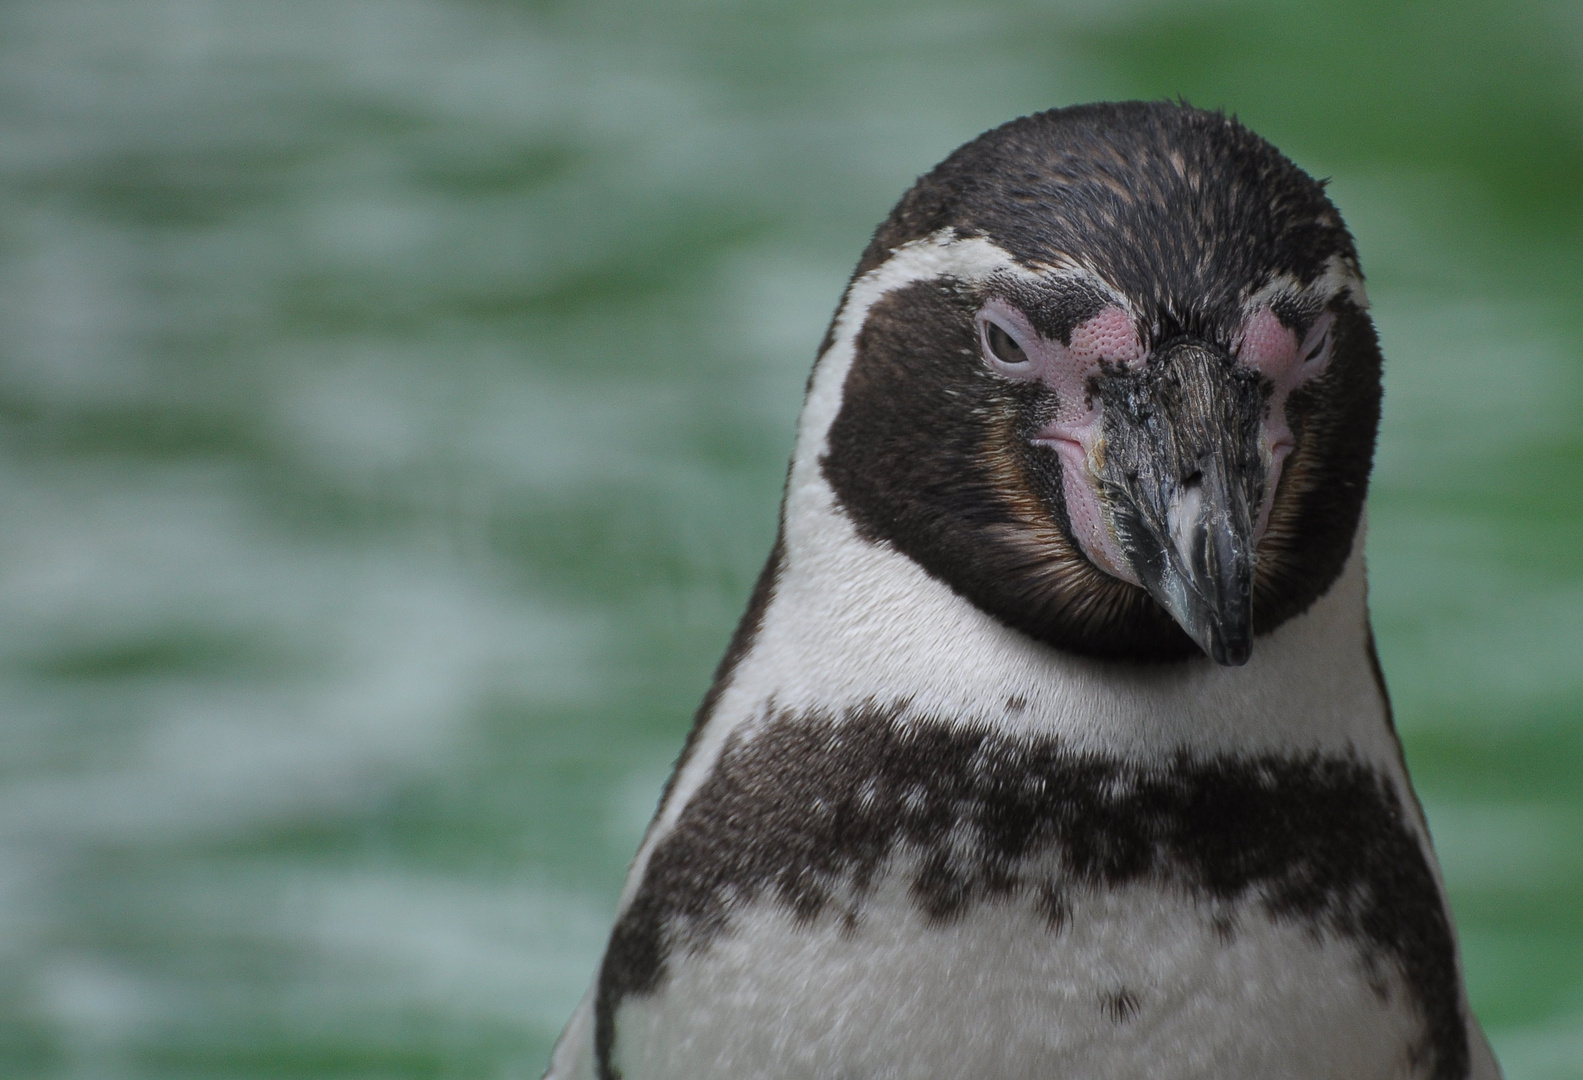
(1182, 478)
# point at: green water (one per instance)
(394, 399)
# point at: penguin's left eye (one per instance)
(1319, 348)
(1313, 355)
(1002, 347)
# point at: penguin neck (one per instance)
(852, 623)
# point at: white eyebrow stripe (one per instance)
(1338, 276)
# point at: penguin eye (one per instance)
(1319, 348)
(1002, 347)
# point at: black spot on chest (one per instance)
(809, 811)
(1120, 1006)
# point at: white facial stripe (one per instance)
(819, 539)
(812, 519)
(1338, 277)
(973, 260)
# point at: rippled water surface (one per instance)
(394, 399)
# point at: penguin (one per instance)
(1054, 741)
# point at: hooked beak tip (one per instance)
(1202, 575)
(1230, 653)
(1224, 633)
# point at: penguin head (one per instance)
(1129, 407)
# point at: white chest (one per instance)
(872, 896)
(1131, 982)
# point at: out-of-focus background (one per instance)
(394, 398)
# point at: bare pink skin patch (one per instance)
(1272, 349)
(1109, 339)
(1075, 432)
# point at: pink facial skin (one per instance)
(1075, 432)
(1273, 349)
(1110, 339)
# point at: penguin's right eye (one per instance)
(1002, 347)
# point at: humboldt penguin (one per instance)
(1053, 742)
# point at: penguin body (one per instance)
(1034, 756)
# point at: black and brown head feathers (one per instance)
(1206, 239)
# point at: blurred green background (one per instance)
(394, 398)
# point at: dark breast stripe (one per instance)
(810, 810)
